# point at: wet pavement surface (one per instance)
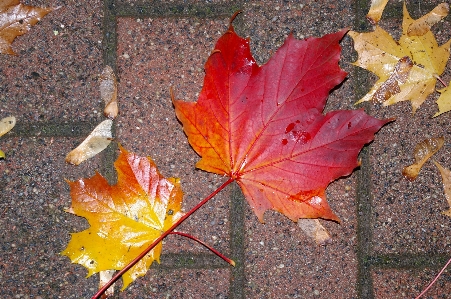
(391, 242)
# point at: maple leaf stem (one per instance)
(158, 240)
(440, 79)
(231, 262)
(434, 280)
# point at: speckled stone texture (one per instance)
(392, 239)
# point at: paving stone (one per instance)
(180, 284)
(153, 56)
(392, 238)
(54, 76)
(282, 262)
(391, 283)
(35, 227)
(407, 215)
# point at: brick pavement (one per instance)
(392, 239)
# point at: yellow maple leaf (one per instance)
(125, 218)
(16, 19)
(381, 54)
(444, 101)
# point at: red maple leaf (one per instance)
(264, 127)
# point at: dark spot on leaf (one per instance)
(289, 128)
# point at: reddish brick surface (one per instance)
(153, 56)
(392, 239)
(390, 283)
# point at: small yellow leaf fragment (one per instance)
(108, 92)
(96, 142)
(391, 86)
(2, 155)
(444, 101)
(423, 25)
(376, 9)
(6, 124)
(446, 177)
(423, 151)
(315, 230)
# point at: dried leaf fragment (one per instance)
(108, 92)
(423, 25)
(446, 177)
(376, 9)
(423, 151)
(96, 142)
(315, 230)
(6, 124)
(16, 19)
(391, 87)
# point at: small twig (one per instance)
(231, 262)
(433, 281)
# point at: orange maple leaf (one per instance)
(264, 127)
(125, 218)
(16, 19)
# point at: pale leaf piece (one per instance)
(423, 25)
(391, 86)
(16, 19)
(315, 230)
(2, 155)
(96, 142)
(446, 177)
(380, 53)
(423, 151)
(108, 92)
(376, 9)
(6, 124)
(104, 278)
(444, 101)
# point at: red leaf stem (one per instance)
(231, 262)
(163, 235)
(433, 281)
